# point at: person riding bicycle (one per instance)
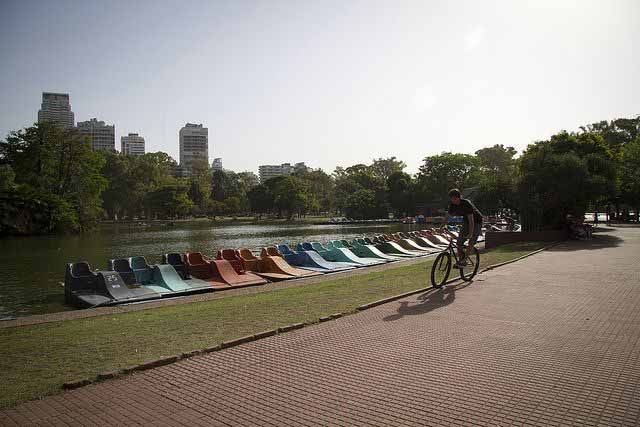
(472, 226)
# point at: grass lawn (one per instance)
(36, 360)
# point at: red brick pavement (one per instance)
(550, 340)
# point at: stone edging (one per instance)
(249, 338)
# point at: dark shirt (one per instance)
(465, 208)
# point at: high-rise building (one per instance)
(194, 145)
(56, 109)
(132, 144)
(216, 165)
(267, 172)
(101, 136)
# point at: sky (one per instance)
(329, 83)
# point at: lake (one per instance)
(33, 267)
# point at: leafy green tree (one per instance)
(439, 173)
(200, 185)
(400, 193)
(224, 184)
(496, 179)
(321, 187)
(7, 178)
(56, 166)
(616, 133)
(290, 195)
(562, 176)
(131, 178)
(117, 197)
(260, 199)
(360, 177)
(630, 175)
(384, 168)
(247, 181)
(169, 201)
(360, 204)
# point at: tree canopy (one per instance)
(50, 180)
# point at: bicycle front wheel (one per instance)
(471, 269)
(440, 270)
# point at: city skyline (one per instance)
(330, 84)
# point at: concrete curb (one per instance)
(103, 376)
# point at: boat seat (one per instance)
(175, 259)
(233, 258)
(228, 254)
(141, 269)
(123, 268)
(271, 251)
(246, 254)
(285, 250)
(81, 269)
(196, 258)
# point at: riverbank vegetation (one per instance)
(50, 181)
(36, 360)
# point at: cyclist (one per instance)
(472, 226)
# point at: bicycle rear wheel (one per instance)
(473, 263)
(440, 270)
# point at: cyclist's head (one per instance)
(454, 196)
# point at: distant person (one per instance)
(472, 226)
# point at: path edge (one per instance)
(166, 360)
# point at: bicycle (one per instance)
(442, 265)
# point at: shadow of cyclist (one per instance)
(430, 300)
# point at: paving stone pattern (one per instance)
(553, 339)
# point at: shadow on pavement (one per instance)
(430, 300)
(599, 241)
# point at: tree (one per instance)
(616, 133)
(360, 204)
(496, 190)
(400, 193)
(56, 166)
(384, 168)
(7, 178)
(260, 199)
(131, 178)
(321, 186)
(630, 175)
(440, 173)
(290, 195)
(200, 184)
(498, 160)
(354, 179)
(169, 200)
(562, 176)
(117, 197)
(224, 184)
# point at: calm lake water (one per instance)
(33, 267)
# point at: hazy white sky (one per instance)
(325, 82)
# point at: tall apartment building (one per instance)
(216, 165)
(194, 144)
(267, 172)
(132, 144)
(55, 108)
(101, 136)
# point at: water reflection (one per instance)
(33, 267)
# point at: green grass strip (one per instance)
(36, 360)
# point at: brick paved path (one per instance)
(552, 339)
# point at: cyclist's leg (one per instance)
(476, 234)
(462, 237)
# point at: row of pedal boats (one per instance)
(133, 279)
